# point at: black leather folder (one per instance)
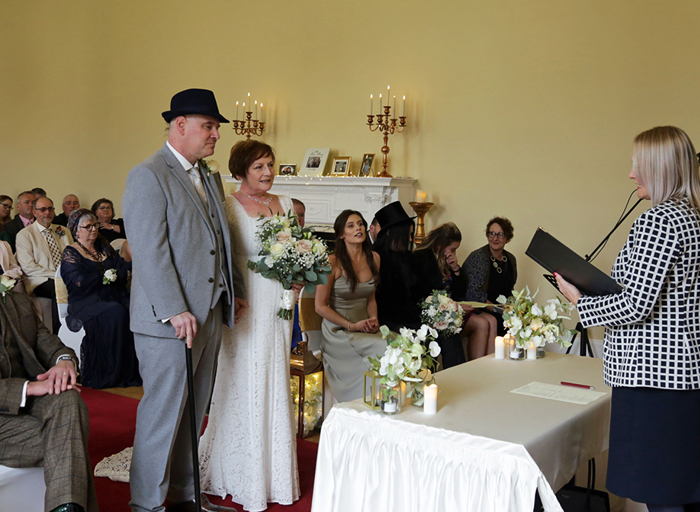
(554, 256)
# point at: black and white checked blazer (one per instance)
(652, 336)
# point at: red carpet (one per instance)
(112, 422)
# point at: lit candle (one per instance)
(421, 196)
(403, 108)
(236, 111)
(261, 112)
(388, 92)
(394, 105)
(248, 100)
(380, 104)
(244, 109)
(500, 348)
(371, 99)
(430, 399)
(256, 109)
(531, 352)
(404, 390)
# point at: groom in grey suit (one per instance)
(182, 292)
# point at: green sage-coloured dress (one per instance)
(345, 353)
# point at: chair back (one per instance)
(117, 244)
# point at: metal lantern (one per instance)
(373, 386)
(307, 390)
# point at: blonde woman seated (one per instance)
(349, 309)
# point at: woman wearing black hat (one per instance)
(397, 293)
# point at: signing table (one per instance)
(486, 449)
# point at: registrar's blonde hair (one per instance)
(665, 162)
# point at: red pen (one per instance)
(584, 386)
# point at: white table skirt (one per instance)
(485, 450)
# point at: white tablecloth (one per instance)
(485, 450)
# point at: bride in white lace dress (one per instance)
(248, 449)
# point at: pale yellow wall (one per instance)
(520, 108)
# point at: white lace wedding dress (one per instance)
(248, 449)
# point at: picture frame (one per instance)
(287, 170)
(341, 166)
(366, 170)
(314, 162)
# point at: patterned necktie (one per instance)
(197, 182)
(53, 247)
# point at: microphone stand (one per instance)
(585, 345)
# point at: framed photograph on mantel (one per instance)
(366, 170)
(341, 166)
(288, 170)
(314, 162)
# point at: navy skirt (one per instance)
(655, 445)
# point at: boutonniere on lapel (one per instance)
(6, 285)
(60, 231)
(209, 166)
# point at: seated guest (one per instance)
(43, 420)
(110, 228)
(374, 229)
(39, 250)
(9, 266)
(435, 264)
(70, 204)
(98, 305)
(299, 211)
(39, 192)
(397, 294)
(349, 309)
(24, 217)
(491, 271)
(5, 211)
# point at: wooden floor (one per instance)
(137, 393)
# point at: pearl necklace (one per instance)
(261, 201)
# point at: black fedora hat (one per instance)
(392, 214)
(193, 101)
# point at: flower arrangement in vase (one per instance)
(409, 357)
(528, 323)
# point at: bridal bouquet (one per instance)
(290, 254)
(441, 313)
(529, 323)
(408, 359)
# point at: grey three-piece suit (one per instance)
(181, 262)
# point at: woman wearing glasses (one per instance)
(96, 276)
(491, 271)
(110, 228)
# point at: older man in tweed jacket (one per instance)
(43, 420)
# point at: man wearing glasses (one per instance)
(39, 250)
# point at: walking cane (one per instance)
(193, 428)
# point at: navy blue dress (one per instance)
(107, 355)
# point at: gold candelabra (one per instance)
(387, 126)
(249, 126)
(421, 209)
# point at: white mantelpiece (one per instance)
(326, 196)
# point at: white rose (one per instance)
(536, 310)
(536, 324)
(444, 299)
(276, 250)
(551, 311)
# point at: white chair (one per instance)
(117, 244)
(69, 338)
(22, 489)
